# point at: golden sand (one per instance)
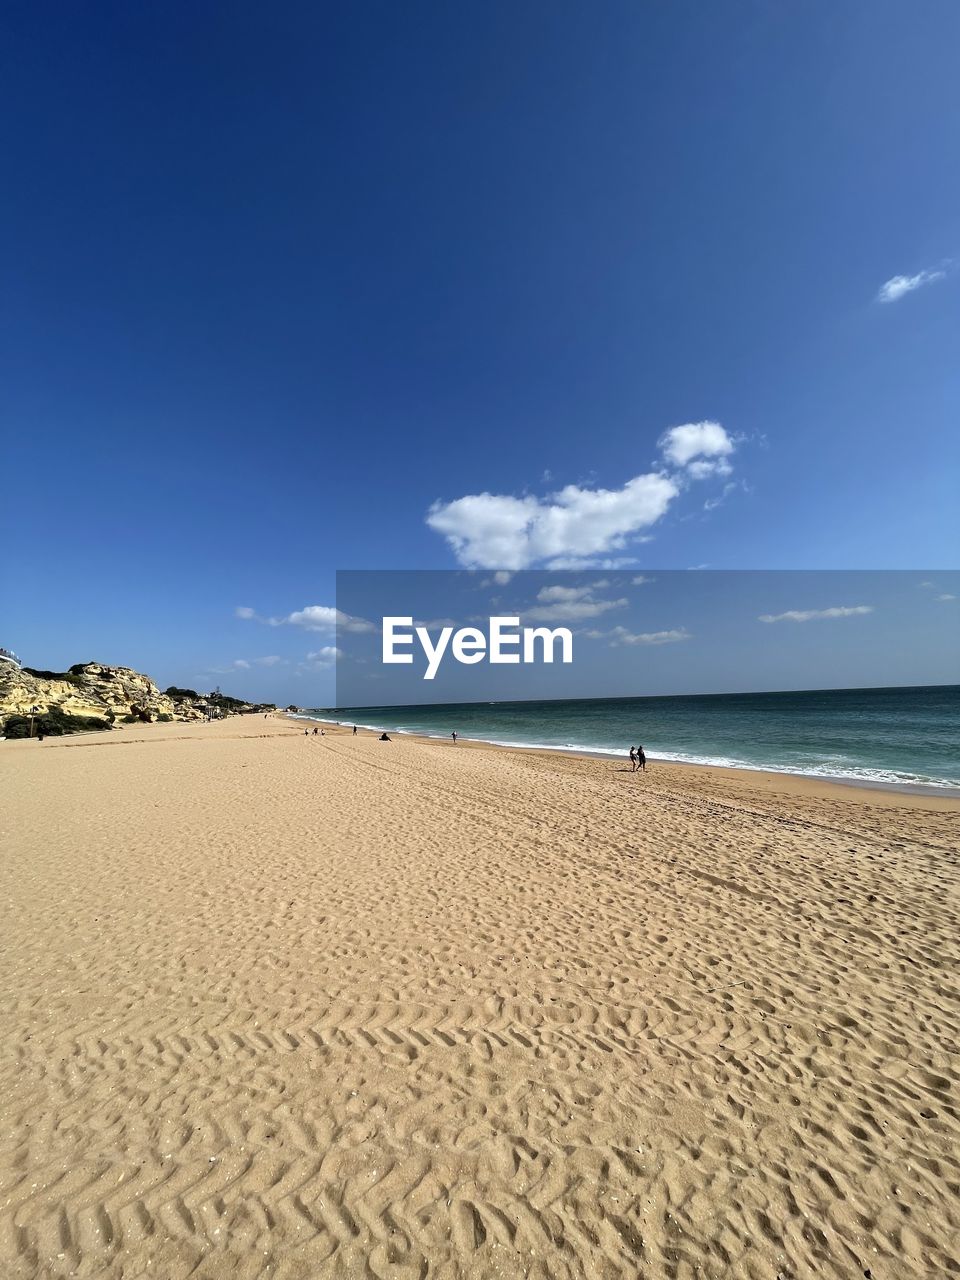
(301, 1007)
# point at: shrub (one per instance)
(180, 695)
(69, 676)
(225, 702)
(17, 727)
(52, 724)
(165, 716)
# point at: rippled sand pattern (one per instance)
(298, 1008)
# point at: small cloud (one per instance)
(324, 657)
(811, 615)
(322, 617)
(571, 604)
(558, 595)
(577, 563)
(702, 447)
(641, 580)
(241, 664)
(620, 635)
(571, 610)
(711, 504)
(313, 617)
(898, 287)
(941, 595)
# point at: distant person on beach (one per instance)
(454, 737)
(354, 729)
(633, 759)
(383, 738)
(315, 732)
(641, 760)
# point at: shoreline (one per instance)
(829, 781)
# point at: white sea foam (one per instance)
(835, 768)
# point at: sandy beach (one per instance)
(288, 1006)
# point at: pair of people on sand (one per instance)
(638, 759)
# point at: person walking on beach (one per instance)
(315, 732)
(354, 730)
(454, 737)
(633, 759)
(641, 760)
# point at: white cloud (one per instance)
(596, 562)
(702, 447)
(325, 656)
(941, 595)
(570, 604)
(641, 580)
(711, 504)
(620, 635)
(322, 617)
(245, 664)
(578, 526)
(898, 286)
(809, 615)
(571, 610)
(313, 617)
(555, 595)
(499, 579)
(486, 530)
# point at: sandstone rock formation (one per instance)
(112, 694)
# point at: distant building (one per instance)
(7, 655)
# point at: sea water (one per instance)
(893, 737)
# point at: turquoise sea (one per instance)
(907, 737)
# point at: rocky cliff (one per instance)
(90, 692)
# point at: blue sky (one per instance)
(289, 291)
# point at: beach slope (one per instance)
(290, 1006)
